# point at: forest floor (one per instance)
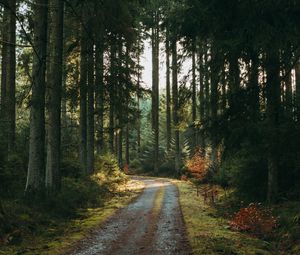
(155, 216)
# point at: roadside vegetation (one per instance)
(52, 226)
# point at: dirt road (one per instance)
(152, 224)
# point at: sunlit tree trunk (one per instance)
(54, 87)
(36, 163)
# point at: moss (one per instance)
(209, 234)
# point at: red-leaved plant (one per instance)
(254, 219)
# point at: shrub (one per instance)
(197, 167)
(254, 219)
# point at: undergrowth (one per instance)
(56, 222)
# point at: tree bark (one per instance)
(54, 84)
(201, 70)
(111, 98)
(168, 91)
(155, 89)
(175, 104)
(83, 97)
(11, 78)
(138, 99)
(254, 87)
(273, 115)
(194, 95)
(90, 106)
(214, 101)
(5, 60)
(120, 105)
(4, 80)
(99, 89)
(36, 164)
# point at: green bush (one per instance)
(75, 194)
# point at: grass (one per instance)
(210, 234)
(54, 235)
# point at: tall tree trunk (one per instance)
(214, 101)
(4, 63)
(155, 89)
(175, 104)
(54, 84)
(168, 91)
(99, 89)
(83, 96)
(36, 164)
(120, 95)
(127, 145)
(11, 78)
(90, 106)
(288, 91)
(234, 80)
(111, 98)
(194, 94)
(206, 82)
(273, 115)
(254, 87)
(138, 101)
(201, 70)
(4, 79)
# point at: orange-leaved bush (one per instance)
(254, 219)
(197, 166)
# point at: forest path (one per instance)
(151, 224)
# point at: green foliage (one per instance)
(71, 168)
(246, 171)
(135, 165)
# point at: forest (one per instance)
(208, 143)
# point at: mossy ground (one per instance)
(54, 235)
(210, 234)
